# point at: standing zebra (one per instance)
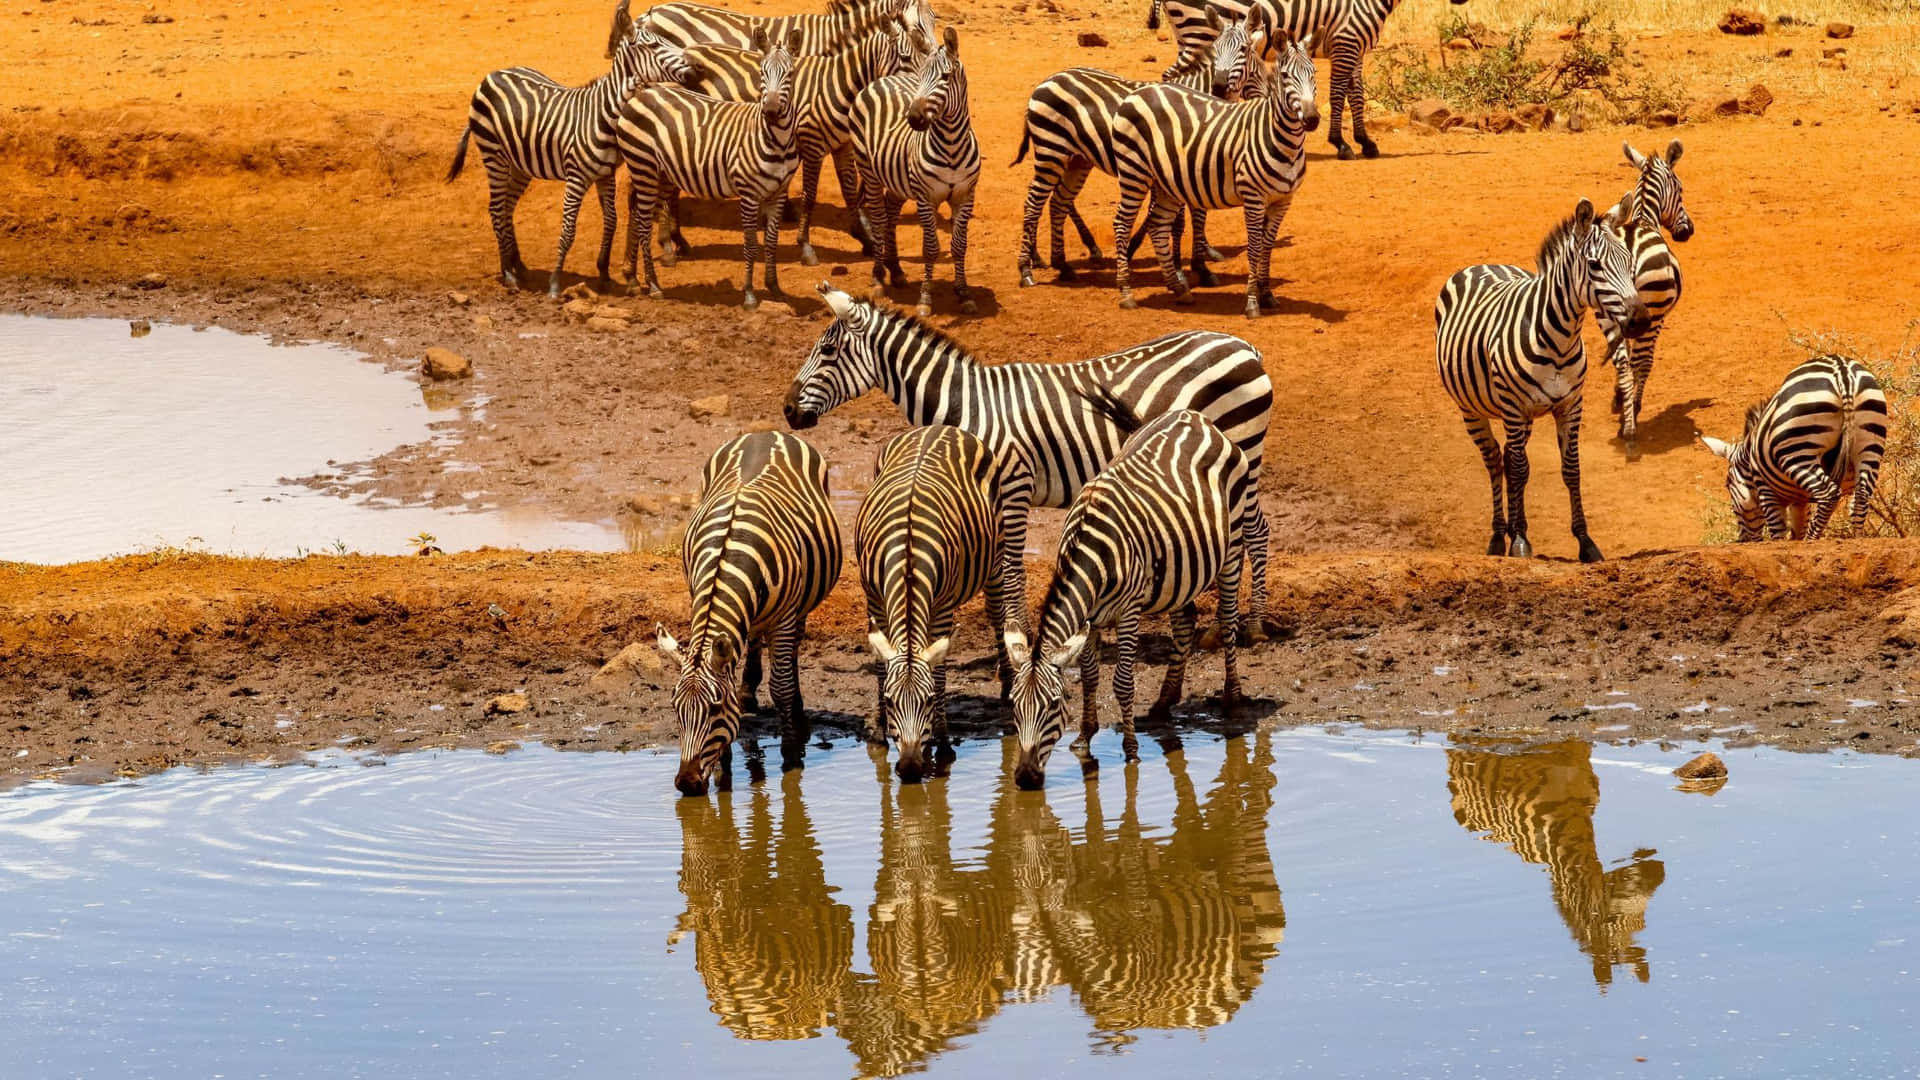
(1654, 204)
(1509, 349)
(532, 128)
(1822, 433)
(676, 141)
(930, 537)
(913, 140)
(760, 553)
(1186, 149)
(1068, 128)
(689, 24)
(1344, 30)
(1067, 420)
(1159, 526)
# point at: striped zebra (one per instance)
(760, 553)
(1509, 349)
(532, 128)
(687, 24)
(929, 538)
(1343, 30)
(1654, 203)
(1821, 434)
(675, 141)
(1067, 420)
(1185, 149)
(913, 140)
(1159, 526)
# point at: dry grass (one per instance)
(1414, 19)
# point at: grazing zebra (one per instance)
(1822, 433)
(1067, 420)
(929, 538)
(688, 24)
(674, 141)
(532, 128)
(913, 140)
(1654, 203)
(1068, 129)
(760, 553)
(1509, 349)
(1344, 30)
(1158, 527)
(1186, 149)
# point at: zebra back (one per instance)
(823, 86)
(1655, 204)
(691, 24)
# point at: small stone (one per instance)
(151, 280)
(483, 322)
(1838, 52)
(1663, 118)
(579, 290)
(1743, 21)
(1459, 43)
(504, 746)
(1534, 117)
(1498, 122)
(507, 704)
(1090, 39)
(701, 408)
(839, 270)
(579, 310)
(612, 311)
(1783, 53)
(1729, 107)
(443, 364)
(1835, 64)
(155, 18)
(140, 327)
(1839, 30)
(602, 324)
(1433, 113)
(1704, 767)
(459, 299)
(635, 662)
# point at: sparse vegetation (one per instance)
(1895, 510)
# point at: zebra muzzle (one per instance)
(799, 419)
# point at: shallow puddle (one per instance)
(181, 438)
(1296, 901)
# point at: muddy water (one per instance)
(1303, 901)
(115, 443)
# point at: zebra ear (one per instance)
(951, 39)
(1673, 152)
(1068, 652)
(622, 23)
(837, 302)
(1583, 216)
(1213, 17)
(882, 648)
(759, 41)
(1720, 447)
(793, 42)
(1635, 157)
(937, 652)
(665, 643)
(1018, 651)
(723, 651)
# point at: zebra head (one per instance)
(1039, 703)
(908, 689)
(1659, 189)
(943, 85)
(706, 699)
(776, 73)
(842, 365)
(1289, 84)
(1605, 278)
(915, 38)
(1230, 58)
(1742, 489)
(642, 56)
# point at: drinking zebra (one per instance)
(532, 128)
(760, 553)
(913, 140)
(930, 537)
(1162, 524)
(1509, 349)
(1821, 434)
(1067, 420)
(1654, 203)
(674, 141)
(1343, 30)
(1068, 129)
(1189, 150)
(689, 24)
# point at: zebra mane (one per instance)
(1753, 419)
(1555, 244)
(922, 328)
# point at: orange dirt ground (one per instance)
(282, 165)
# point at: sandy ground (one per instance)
(281, 167)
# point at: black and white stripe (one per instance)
(532, 128)
(1820, 435)
(1509, 349)
(1655, 204)
(1186, 149)
(674, 141)
(1161, 525)
(930, 536)
(760, 553)
(1067, 420)
(689, 24)
(913, 141)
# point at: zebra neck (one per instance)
(1278, 139)
(931, 379)
(1556, 307)
(1646, 206)
(951, 128)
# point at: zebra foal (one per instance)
(1162, 524)
(1656, 207)
(1509, 349)
(674, 141)
(1821, 434)
(760, 552)
(532, 128)
(929, 538)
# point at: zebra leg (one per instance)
(755, 758)
(1162, 213)
(962, 217)
(1357, 98)
(674, 242)
(1774, 513)
(860, 228)
(786, 692)
(771, 243)
(609, 224)
(1276, 216)
(1481, 429)
(1337, 91)
(1089, 689)
(943, 754)
(1173, 683)
(1040, 196)
(809, 191)
(1075, 183)
(1257, 234)
(1566, 426)
(1617, 355)
(504, 188)
(750, 678)
(1863, 484)
(1126, 640)
(929, 252)
(1641, 351)
(642, 202)
(1202, 251)
(1821, 491)
(1519, 430)
(1132, 192)
(750, 221)
(1228, 620)
(1258, 538)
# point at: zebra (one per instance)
(1822, 433)
(1163, 523)
(688, 24)
(1067, 420)
(1343, 30)
(532, 128)
(1068, 129)
(1186, 149)
(1654, 203)
(760, 552)
(674, 141)
(1508, 347)
(913, 140)
(930, 537)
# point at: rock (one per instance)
(839, 270)
(636, 662)
(1571, 33)
(152, 280)
(1838, 52)
(459, 299)
(1783, 53)
(1839, 30)
(1459, 43)
(483, 322)
(1729, 107)
(508, 704)
(771, 308)
(1704, 767)
(579, 310)
(612, 311)
(1756, 101)
(1498, 122)
(1433, 113)
(1090, 39)
(443, 364)
(701, 408)
(1534, 117)
(504, 746)
(1743, 21)
(155, 18)
(579, 290)
(140, 327)
(603, 325)
(1663, 118)
(1833, 65)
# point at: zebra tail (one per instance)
(1110, 406)
(460, 153)
(1844, 462)
(1153, 15)
(1026, 138)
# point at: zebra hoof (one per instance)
(750, 302)
(1026, 279)
(1346, 152)
(1520, 549)
(654, 293)
(1590, 551)
(969, 306)
(1127, 303)
(1214, 254)
(1369, 150)
(553, 288)
(807, 257)
(1498, 545)
(1093, 254)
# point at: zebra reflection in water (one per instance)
(1539, 802)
